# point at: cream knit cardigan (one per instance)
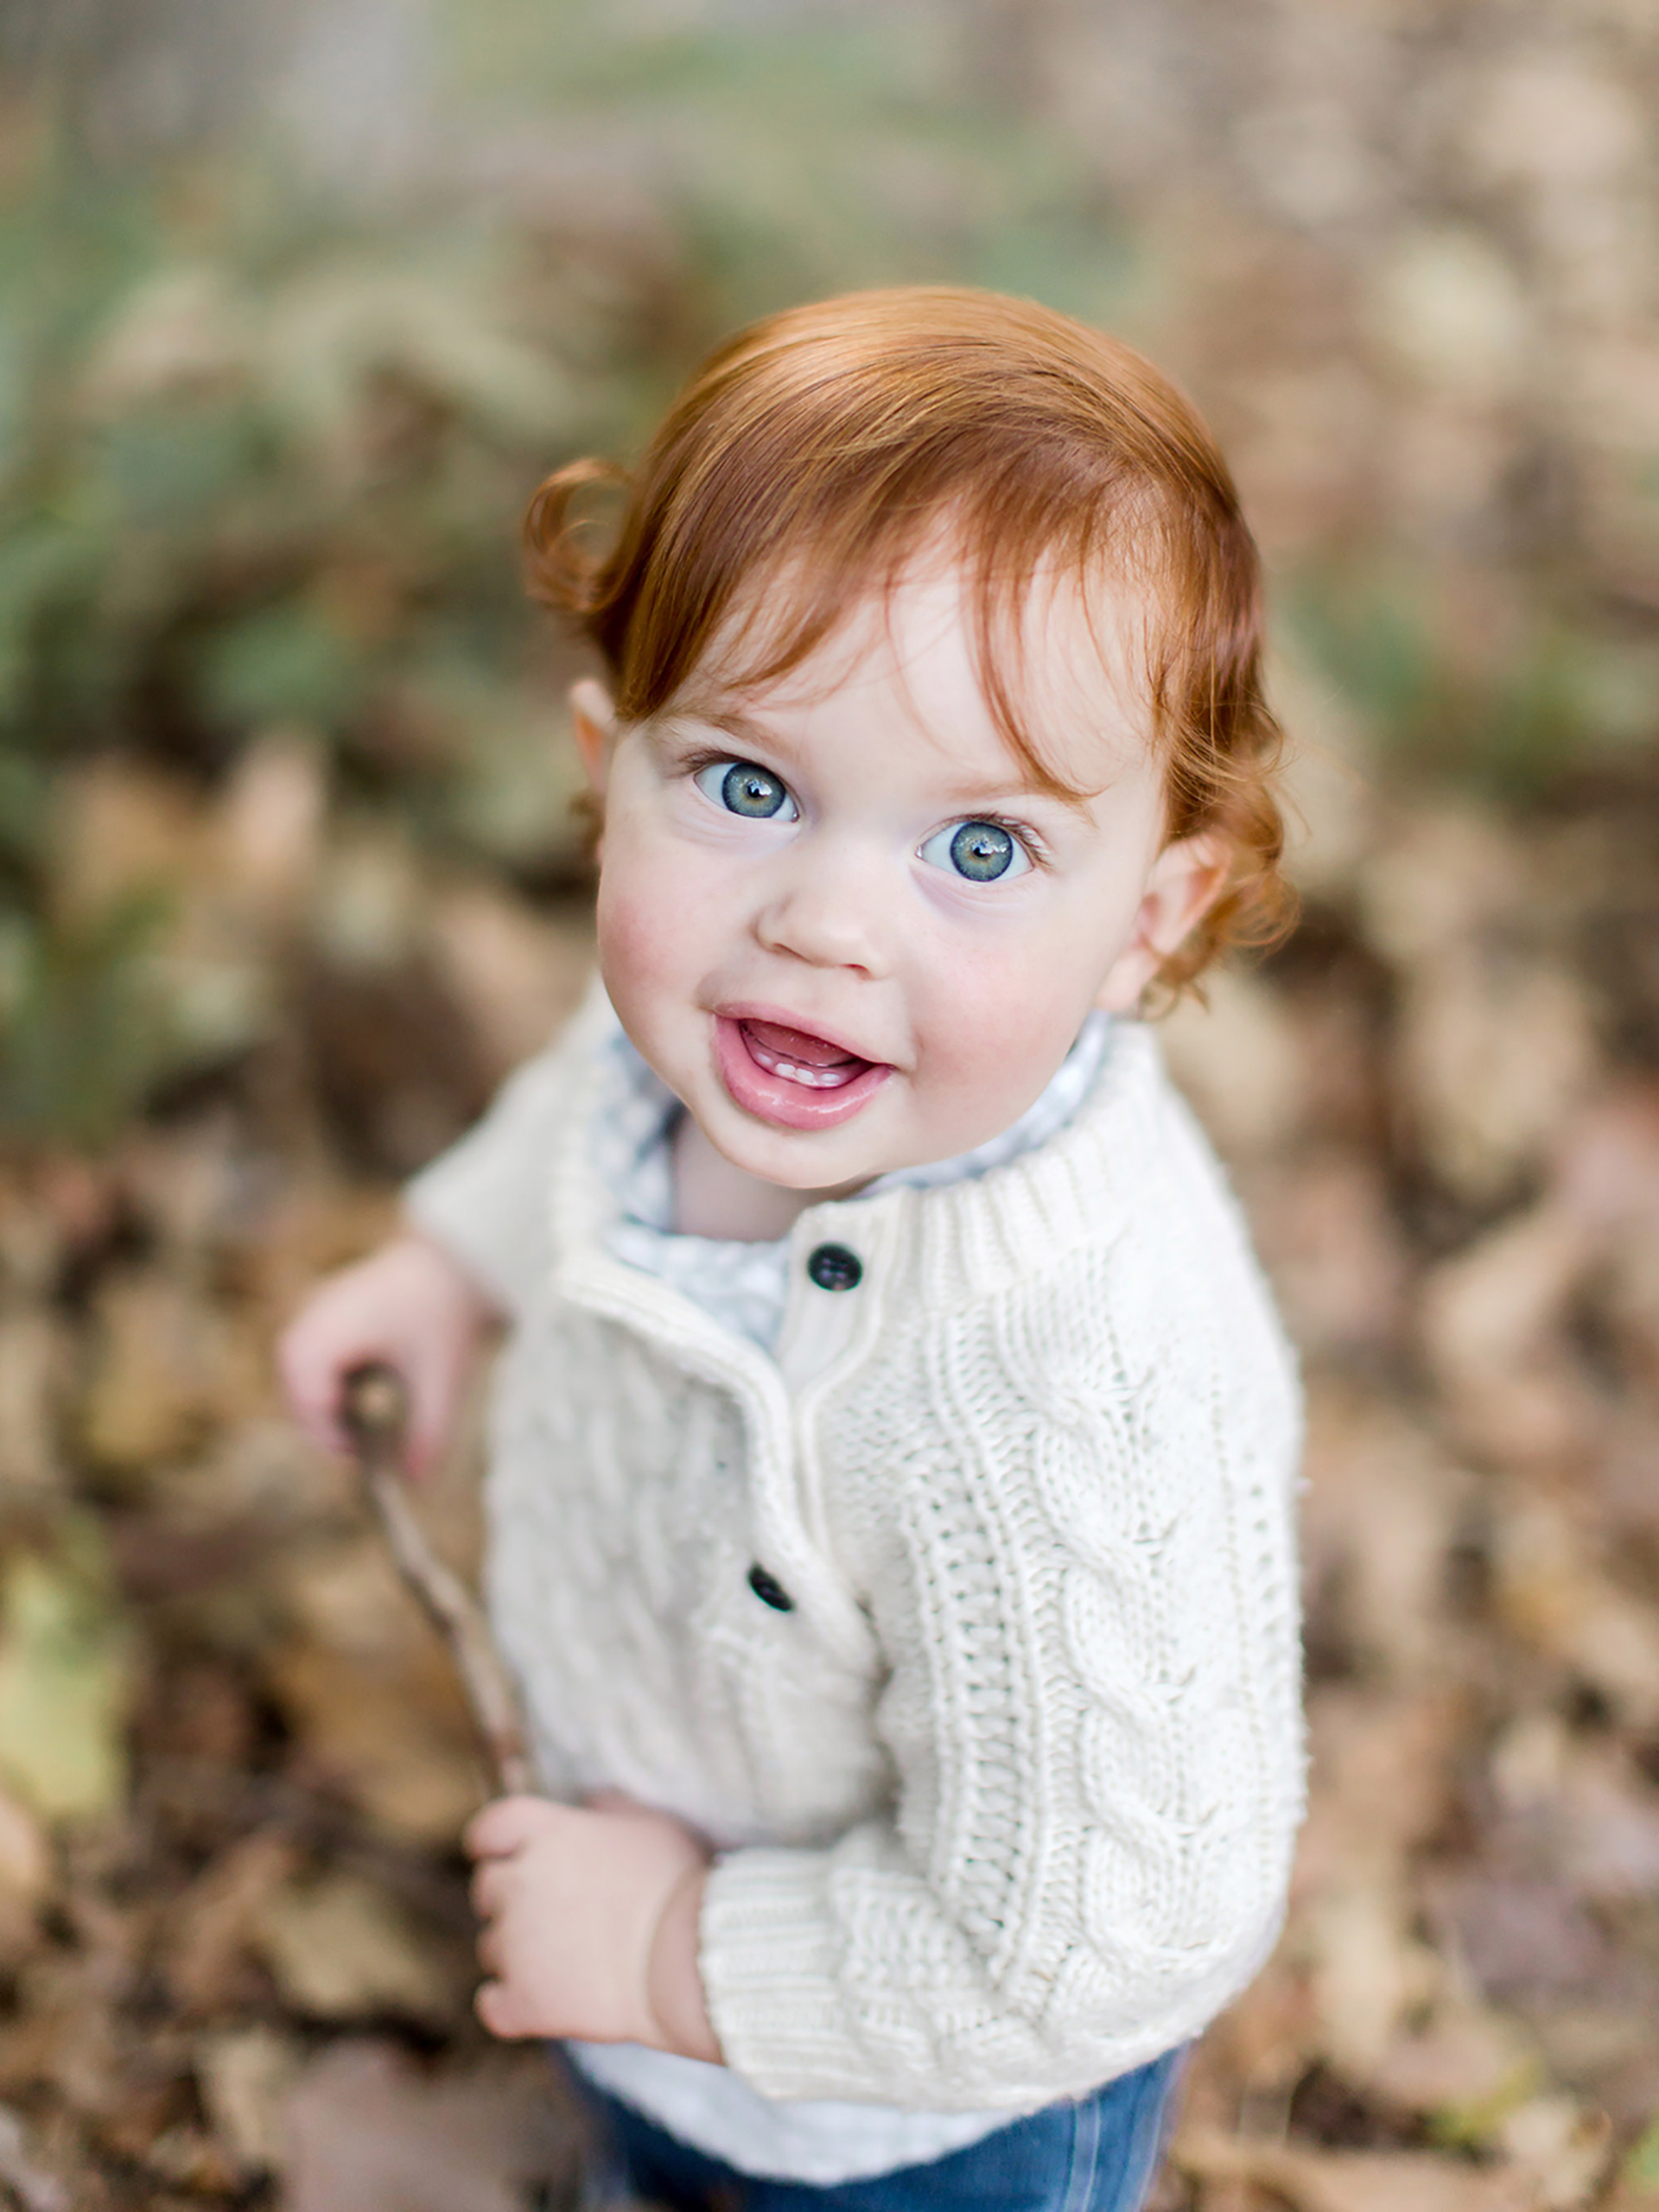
(1004, 1801)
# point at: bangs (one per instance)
(771, 621)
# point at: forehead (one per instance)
(1050, 674)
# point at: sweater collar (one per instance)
(959, 1239)
(632, 1125)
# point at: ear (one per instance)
(1185, 882)
(594, 719)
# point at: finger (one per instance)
(326, 1423)
(488, 1950)
(488, 1889)
(431, 1388)
(507, 1824)
(311, 1386)
(321, 1428)
(495, 2007)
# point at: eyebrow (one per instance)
(989, 794)
(732, 721)
(744, 728)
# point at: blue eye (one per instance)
(743, 787)
(979, 852)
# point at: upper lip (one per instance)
(754, 1010)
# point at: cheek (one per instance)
(999, 1024)
(636, 949)
(656, 914)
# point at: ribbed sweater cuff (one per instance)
(769, 1959)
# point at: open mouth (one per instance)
(791, 1077)
(799, 1057)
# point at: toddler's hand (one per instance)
(409, 1304)
(590, 1919)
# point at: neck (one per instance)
(714, 1199)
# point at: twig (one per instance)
(374, 1412)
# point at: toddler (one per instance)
(892, 1455)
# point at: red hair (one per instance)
(814, 455)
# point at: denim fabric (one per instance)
(1096, 2155)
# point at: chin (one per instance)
(794, 1173)
(794, 1160)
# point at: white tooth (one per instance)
(814, 1078)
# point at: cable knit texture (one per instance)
(1006, 1802)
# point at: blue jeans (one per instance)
(1096, 2155)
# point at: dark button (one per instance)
(832, 1267)
(769, 1590)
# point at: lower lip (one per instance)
(774, 1098)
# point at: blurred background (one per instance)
(298, 301)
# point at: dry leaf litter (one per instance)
(1400, 254)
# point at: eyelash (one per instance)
(698, 765)
(693, 764)
(1025, 837)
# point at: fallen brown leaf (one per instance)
(1518, 1935)
(1384, 1512)
(1557, 1595)
(66, 1678)
(1496, 1050)
(1333, 1249)
(35, 2190)
(1466, 2059)
(1365, 1972)
(1353, 2181)
(1238, 1059)
(1583, 1811)
(368, 2130)
(269, 827)
(245, 2077)
(1493, 1323)
(1383, 1769)
(34, 1365)
(342, 1948)
(372, 1694)
(160, 1354)
(25, 1855)
(1441, 872)
(122, 827)
(214, 1926)
(392, 1740)
(517, 975)
(1565, 2149)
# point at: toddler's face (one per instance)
(838, 919)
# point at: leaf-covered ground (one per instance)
(286, 884)
(233, 1930)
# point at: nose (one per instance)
(825, 908)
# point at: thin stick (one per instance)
(374, 1411)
